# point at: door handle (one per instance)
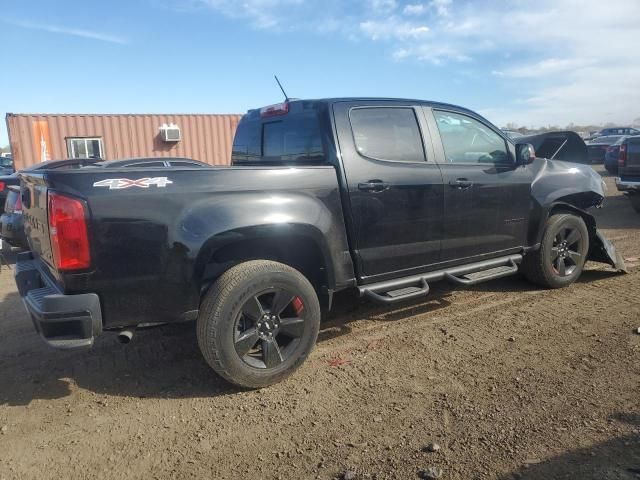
(373, 186)
(461, 183)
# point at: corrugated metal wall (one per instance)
(207, 138)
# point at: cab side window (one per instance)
(466, 140)
(387, 133)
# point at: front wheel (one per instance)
(562, 254)
(258, 323)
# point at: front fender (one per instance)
(602, 250)
(561, 186)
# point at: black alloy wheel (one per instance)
(269, 328)
(563, 251)
(565, 254)
(258, 323)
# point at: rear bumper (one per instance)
(63, 321)
(627, 185)
(11, 229)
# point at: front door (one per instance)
(487, 197)
(395, 187)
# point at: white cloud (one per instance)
(264, 14)
(543, 68)
(76, 32)
(441, 7)
(393, 28)
(566, 60)
(382, 6)
(414, 9)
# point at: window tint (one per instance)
(294, 138)
(387, 133)
(466, 140)
(293, 141)
(246, 143)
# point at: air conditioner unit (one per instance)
(170, 132)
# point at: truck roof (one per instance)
(332, 100)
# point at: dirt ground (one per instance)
(510, 381)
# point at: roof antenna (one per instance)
(286, 97)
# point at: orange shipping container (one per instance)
(38, 137)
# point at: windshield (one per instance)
(6, 162)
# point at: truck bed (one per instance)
(153, 231)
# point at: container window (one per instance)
(85, 147)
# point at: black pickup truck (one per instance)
(381, 195)
(628, 179)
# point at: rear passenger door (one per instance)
(487, 197)
(395, 187)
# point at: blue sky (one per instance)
(532, 63)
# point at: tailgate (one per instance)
(632, 164)
(596, 152)
(34, 209)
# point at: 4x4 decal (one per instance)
(120, 183)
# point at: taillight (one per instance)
(622, 155)
(68, 232)
(275, 110)
(2, 186)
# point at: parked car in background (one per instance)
(628, 179)
(597, 148)
(6, 165)
(558, 145)
(11, 220)
(157, 162)
(614, 131)
(512, 134)
(384, 196)
(611, 156)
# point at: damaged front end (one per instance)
(602, 250)
(561, 185)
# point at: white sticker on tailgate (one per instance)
(120, 183)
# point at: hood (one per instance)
(561, 145)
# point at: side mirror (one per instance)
(525, 154)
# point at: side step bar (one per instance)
(407, 288)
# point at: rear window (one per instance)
(10, 202)
(290, 139)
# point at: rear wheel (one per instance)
(258, 323)
(562, 254)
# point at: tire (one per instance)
(556, 264)
(245, 304)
